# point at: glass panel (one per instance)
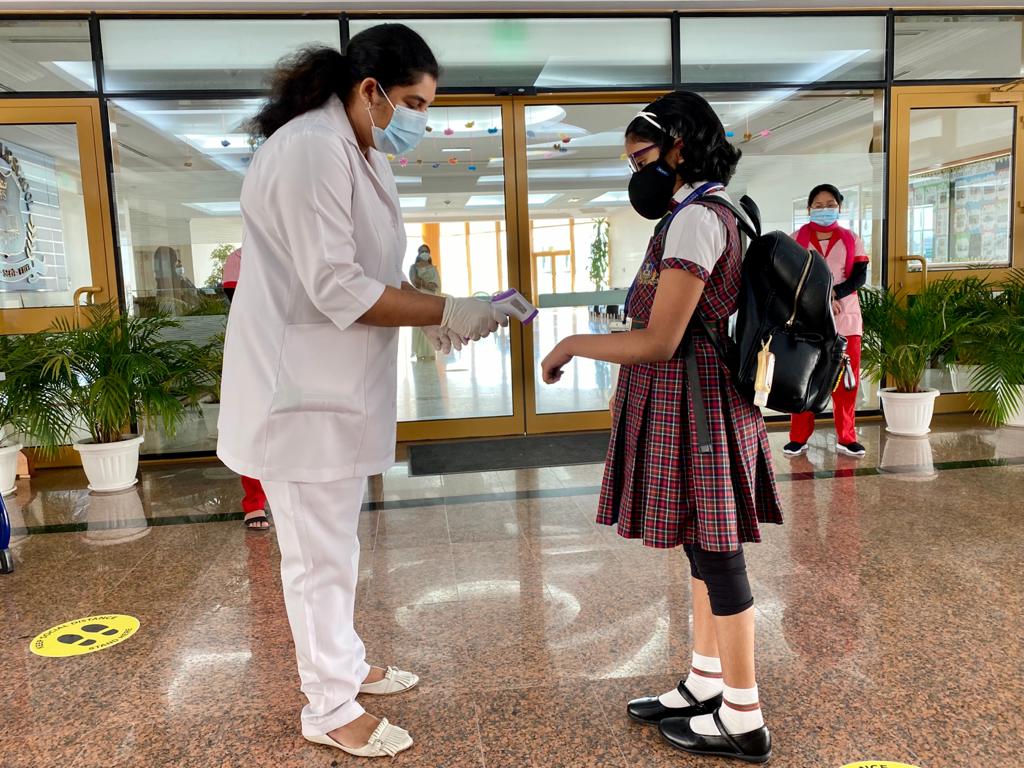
(177, 188)
(959, 47)
(577, 178)
(960, 199)
(547, 53)
(44, 242)
(790, 141)
(961, 186)
(46, 56)
(452, 194)
(782, 50)
(194, 54)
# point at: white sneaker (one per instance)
(854, 449)
(387, 740)
(395, 681)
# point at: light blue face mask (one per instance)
(824, 217)
(403, 133)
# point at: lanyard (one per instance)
(705, 189)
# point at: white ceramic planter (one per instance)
(111, 466)
(211, 412)
(908, 458)
(908, 413)
(1017, 419)
(9, 469)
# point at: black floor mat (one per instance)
(530, 452)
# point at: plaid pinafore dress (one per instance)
(657, 486)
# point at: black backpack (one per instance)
(785, 306)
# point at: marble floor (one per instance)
(889, 617)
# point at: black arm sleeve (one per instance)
(858, 277)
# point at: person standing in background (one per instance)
(845, 254)
(424, 277)
(254, 500)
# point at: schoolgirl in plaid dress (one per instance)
(667, 481)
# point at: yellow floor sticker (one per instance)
(93, 633)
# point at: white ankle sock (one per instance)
(705, 681)
(736, 715)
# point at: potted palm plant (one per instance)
(113, 372)
(997, 339)
(27, 406)
(901, 335)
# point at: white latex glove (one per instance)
(442, 339)
(472, 319)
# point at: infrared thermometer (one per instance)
(512, 303)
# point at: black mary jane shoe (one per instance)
(651, 711)
(752, 747)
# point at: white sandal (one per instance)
(395, 681)
(387, 740)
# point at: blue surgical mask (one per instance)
(824, 217)
(404, 132)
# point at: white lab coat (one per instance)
(309, 394)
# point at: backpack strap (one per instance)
(748, 219)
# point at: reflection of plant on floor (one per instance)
(28, 405)
(116, 370)
(218, 257)
(599, 254)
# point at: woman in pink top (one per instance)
(844, 252)
(254, 502)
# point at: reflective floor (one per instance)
(889, 616)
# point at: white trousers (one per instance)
(316, 527)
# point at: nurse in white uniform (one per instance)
(309, 385)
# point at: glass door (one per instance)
(956, 207)
(458, 201)
(580, 244)
(56, 249)
(586, 243)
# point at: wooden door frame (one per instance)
(576, 421)
(515, 423)
(905, 99)
(85, 115)
(947, 97)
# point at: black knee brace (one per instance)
(725, 576)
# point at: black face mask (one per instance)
(651, 189)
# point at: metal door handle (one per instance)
(90, 292)
(919, 260)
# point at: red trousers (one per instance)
(844, 406)
(255, 500)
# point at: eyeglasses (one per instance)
(825, 206)
(633, 158)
